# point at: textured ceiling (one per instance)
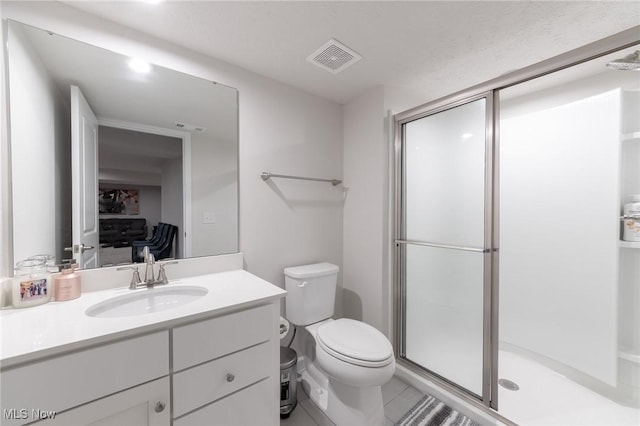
(426, 48)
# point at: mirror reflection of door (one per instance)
(84, 162)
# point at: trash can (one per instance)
(288, 361)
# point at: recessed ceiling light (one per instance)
(139, 66)
(153, 1)
(466, 135)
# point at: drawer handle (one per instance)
(230, 377)
(159, 407)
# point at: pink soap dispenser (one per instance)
(67, 284)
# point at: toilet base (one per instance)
(345, 405)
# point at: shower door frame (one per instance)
(491, 89)
(489, 249)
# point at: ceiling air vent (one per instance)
(191, 127)
(334, 57)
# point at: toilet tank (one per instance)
(311, 292)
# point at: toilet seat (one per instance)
(355, 342)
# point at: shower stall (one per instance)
(514, 286)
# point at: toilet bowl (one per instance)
(354, 353)
(346, 361)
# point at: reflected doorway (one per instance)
(140, 182)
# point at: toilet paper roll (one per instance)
(284, 327)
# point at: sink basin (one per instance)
(145, 301)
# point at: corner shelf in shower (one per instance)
(635, 136)
(629, 355)
(629, 244)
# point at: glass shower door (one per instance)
(445, 243)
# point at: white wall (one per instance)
(287, 222)
(127, 156)
(282, 130)
(365, 164)
(214, 190)
(172, 201)
(6, 231)
(368, 213)
(45, 135)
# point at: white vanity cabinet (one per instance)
(218, 369)
(61, 383)
(225, 370)
(211, 361)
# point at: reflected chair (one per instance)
(160, 234)
(165, 249)
(155, 238)
(161, 248)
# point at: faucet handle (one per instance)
(162, 275)
(135, 279)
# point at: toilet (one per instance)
(345, 361)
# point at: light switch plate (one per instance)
(208, 217)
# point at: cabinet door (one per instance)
(76, 378)
(146, 405)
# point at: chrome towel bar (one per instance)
(267, 175)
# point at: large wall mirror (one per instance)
(107, 152)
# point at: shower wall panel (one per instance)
(559, 223)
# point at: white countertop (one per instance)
(56, 327)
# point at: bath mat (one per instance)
(430, 411)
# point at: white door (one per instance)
(84, 177)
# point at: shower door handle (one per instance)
(445, 246)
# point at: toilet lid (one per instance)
(355, 342)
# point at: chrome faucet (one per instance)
(149, 279)
(150, 260)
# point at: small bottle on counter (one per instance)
(67, 284)
(631, 226)
(31, 284)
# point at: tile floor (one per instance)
(397, 397)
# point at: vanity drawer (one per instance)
(200, 342)
(252, 406)
(200, 385)
(67, 381)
